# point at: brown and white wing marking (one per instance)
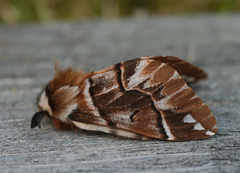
(143, 97)
(190, 73)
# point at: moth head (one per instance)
(44, 109)
(59, 98)
(58, 104)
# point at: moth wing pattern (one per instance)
(188, 72)
(145, 97)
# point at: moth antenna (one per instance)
(56, 67)
(36, 119)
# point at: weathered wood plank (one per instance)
(27, 54)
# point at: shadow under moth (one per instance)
(141, 98)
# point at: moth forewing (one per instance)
(141, 98)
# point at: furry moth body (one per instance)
(140, 98)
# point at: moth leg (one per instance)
(62, 125)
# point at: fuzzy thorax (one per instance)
(59, 98)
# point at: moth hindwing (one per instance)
(140, 98)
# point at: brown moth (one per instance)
(141, 98)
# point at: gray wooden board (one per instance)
(27, 54)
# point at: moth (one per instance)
(142, 98)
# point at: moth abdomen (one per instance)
(112, 130)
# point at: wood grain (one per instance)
(27, 54)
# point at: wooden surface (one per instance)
(27, 54)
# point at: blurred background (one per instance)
(18, 11)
